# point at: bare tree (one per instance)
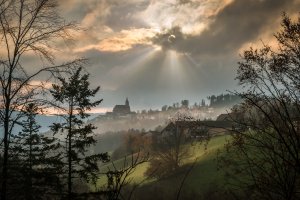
(26, 26)
(119, 177)
(265, 150)
(171, 147)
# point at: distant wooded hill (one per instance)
(223, 100)
(45, 121)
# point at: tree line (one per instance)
(33, 165)
(224, 100)
(39, 165)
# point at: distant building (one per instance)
(121, 110)
(198, 128)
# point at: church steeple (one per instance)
(127, 102)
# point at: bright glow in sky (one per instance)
(158, 52)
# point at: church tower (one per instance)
(127, 102)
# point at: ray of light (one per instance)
(181, 74)
(132, 69)
(196, 66)
(172, 71)
(137, 65)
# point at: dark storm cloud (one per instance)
(239, 22)
(169, 39)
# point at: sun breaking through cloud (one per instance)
(155, 51)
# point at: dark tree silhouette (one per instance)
(76, 95)
(265, 149)
(118, 177)
(37, 160)
(26, 26)
(185, 103)
(203, 103)
(223, 100)
(171, 147)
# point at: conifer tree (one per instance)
(34, 159)
(75, 95)
(27, 28)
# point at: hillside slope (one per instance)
(202, 178)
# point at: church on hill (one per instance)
(122, 109)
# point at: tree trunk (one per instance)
(70, 152)
(5, 155)
(70, 168)
(30, 160)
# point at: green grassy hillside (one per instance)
(202, 176)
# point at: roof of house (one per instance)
(194, 124)
(233, 116)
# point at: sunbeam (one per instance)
(131, 70)
(172, 70)
(194, 65)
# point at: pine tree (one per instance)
(203, 103)
(76, 95)
(35, 160)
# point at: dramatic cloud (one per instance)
(192, 16)
(124, 40)
(159, 51)
(238, 23)
(117, 23)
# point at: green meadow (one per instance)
(203, 174)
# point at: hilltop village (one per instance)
(123, 118)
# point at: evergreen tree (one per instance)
(27, 28)
(34, 159)
(195, 105)
(185, 103)
(76, 95)
(164, 108)
(213, 99)
(203, 103)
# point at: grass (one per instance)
(136, 177)
(202, 175)
(205, 172)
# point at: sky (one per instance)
(158, 52)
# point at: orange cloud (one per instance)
(122, 41)
(43, 84)
(54, 111)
